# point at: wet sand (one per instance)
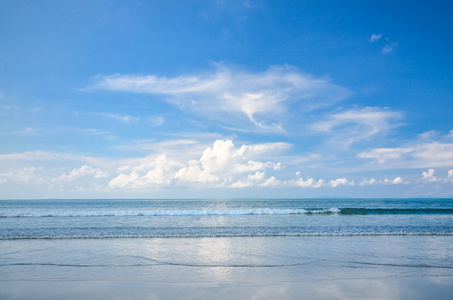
(368, 267)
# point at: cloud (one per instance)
(389, 45)
(309, 182)
(340, 181)
(354, 125)
(450, 176)
(121, 118)
(47, 156)
(82, 172)
(23, 175)
(397, 180)
(224, 162)
(385, 154)
(372, 181)
(157, 121)
(251, 180)
(427, 151)
(431, 154)
(222, 165)
(367, 182)
(429, 176)
(158, 172)
(375, 37)
(260, 97)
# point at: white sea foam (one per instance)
(207, 212)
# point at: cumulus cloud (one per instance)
(309, 182)
(82, 172)
(260, 97)
(397, 180)
(372, 181)
(340, 181)
(429, 176)
(223, 162)
(222, 165)
(157, 172)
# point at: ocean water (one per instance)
(262, 249)
(70, 219)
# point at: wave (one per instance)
(395, 211)
(233, 212)
(207, 212)
(222, 235)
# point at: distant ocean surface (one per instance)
(90, 219)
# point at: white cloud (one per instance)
(389, 47)
(157, 172)
(121, 118)
(123, 180)
(427, 151)
(340, 181)
(429, 176)
(157, 121)
(222, 165)
(29, 175)
(385, 154)
(271, 181)
(82, 172)
(354, 125)
(398, 180)
(224, 162)
(309, 182)
(251, 180)
(261, 97)
(450, 176)
(48, 156)
(373, 181)
(368, 182)
(432, 154)
(375, 37)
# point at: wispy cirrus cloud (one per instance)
(121, 118)
(261, 97)
(375, 37)
(350, 126)
(428, 151)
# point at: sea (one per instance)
(223, 249)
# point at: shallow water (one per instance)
(241, 266)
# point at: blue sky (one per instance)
(224, 99)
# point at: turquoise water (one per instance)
(68, 219)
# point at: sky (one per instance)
(226, 99)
